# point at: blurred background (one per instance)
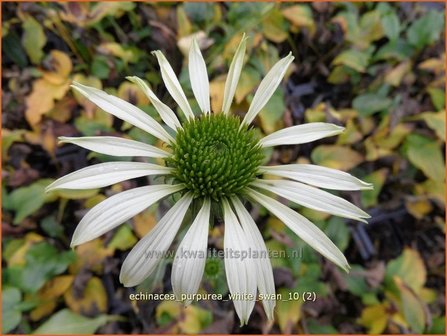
(376, 68)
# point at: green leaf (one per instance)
(67, 322)
(13, 49)
(338, 232)
(426, 30)
(355, 59)
(426, 155)
(100, 68)
(356, 283)
(438, 326)
(437, 97)
(26, 200)
(12, 315)
(399, 50)
(391, 26)
(436, 121)
(33, 39)
(413, 308)
(272, 112)
(315, 327)
(370, 103)
(199, 12)
(377, 178)
(409, 267)
(43, 261)
(123, 239)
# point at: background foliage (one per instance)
(376, 68)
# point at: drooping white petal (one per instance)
(146, 254)
(199, 77)
(165, 112)
(264, 272)
(240, 269)
(190, 258)
(233, 75)
(313, 198)
(105, 174)
(303, 228)
(300, 134)
(116, 146)
(173, 85)
(267, 87)
(117, 209)
(123, 110)
(318, 176)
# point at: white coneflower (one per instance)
(210, 159)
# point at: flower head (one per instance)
(211, 160)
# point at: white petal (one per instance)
(116, 146)
(117, 209)
(165, 112)
(105, 174)
(318, 176)
(266, 283)
(267, 87)
(173, 85)
(146, 254)
(303, 228)
(190, 258)
(240, 269)
(233, 75)
(313, 198)
(124, 110)
(300, 134)
(199, 77)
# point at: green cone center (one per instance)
(215, 157)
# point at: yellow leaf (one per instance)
(413, 309)
(374, 318)
(419, 208)
(117, 50)
(18, 258)
(56, 287)
(288, 312)
(330, 156)
(436, 121)
(350, 135)
(273, 27)
(90, 301)
(90, 255)
(41, 99)
(60, 68)
(394, 76)
(432, 189)
(391, 138)
(428, 295)
(131, 93)
(43, 309)
(89, 81)
(300, 16)
(410, 268)
(217, 87)
(144, 222)
(183, 23)
(195, 319)
(435, 65)
(49, 294)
